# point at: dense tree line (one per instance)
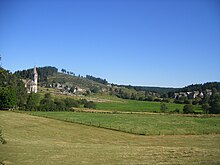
(43, 73)
(12, 90)
(211, 104)
(201, 87)
(159, 90)
(99, 80)
(67, 72)
(34, 103)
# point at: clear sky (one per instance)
(170, 43)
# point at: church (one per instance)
(31, 85)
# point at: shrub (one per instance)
(176, 110)
(90, 104)
(166, 100)
(71, 103)
(188, 109)
(163, 107)
(2, 140)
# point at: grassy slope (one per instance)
(74, 81)
(149, 124)
(33, 140)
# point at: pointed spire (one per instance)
(35, 70)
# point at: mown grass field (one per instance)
(139, 106)
(35, 140)
(145, 124)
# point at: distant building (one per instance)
(31, 85)
(209, 92)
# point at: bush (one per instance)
(2, 140)
(90, 104)
(60, 105)
(206, 107)
(71, 103)
(188, 109)
(163, 107)
(176, 110)
(166, 100)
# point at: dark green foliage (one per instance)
(182, 100)
(71, 103)
(7, 97)
(99, 80)
(60, 105)
(21, 94)
(163, 107)
(201, 87)
(159, 90)
(188, 109)
(176, 111)
(63, 70)
(94, 89)
(82, 101)
(12, 86)
(166, 100)
(43, 73)
(206, 107)
(47, 104)
(89, 104)
(215, 104)
(33, 102)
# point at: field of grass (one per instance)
(107, 102)
(145, 124)
(139, 106)
(35, 140)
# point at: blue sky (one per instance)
(171, 43)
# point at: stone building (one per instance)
(31, 85)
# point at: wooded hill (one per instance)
(201, 87)
(49, 76)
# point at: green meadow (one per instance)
(140, 106)
(144, 124)
(33, 140)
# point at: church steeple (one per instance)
(35, 74)
(31, 85)
(35, 80)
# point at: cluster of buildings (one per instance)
(194, 94)
(65, 88)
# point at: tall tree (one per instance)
(7, 97)
(188, 109)
(215, 104)
(33, 101)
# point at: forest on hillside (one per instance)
(43, 73)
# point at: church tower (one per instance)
(35, 80)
